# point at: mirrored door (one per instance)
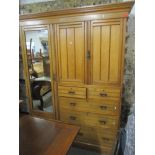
(38, 65)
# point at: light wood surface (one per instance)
(72, 92)
(102, 137)
(105, 47)
(109, 107)
(101, 92)
(86, 47)
(89, 119)
(71, 52)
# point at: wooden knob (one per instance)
(72, 117)
(71, 92)
(102, 121)
(105, 139)
(103, 107)
(103, 94)
(72, 104)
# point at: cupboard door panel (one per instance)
(114, 53)
(63, 49)
(106, 51)
(79, 53)
(105, 34)
(71, 52)
(96, 53)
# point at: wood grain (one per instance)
(104, 106)
(87, 90)
(89, 119)
(41, 137)
(72, 92)
(105, 33)
(71, 52)
(106, 52)
(115, 54)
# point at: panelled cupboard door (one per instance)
(106, 36)
(71, 52)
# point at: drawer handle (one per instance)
(103, 107)
(80, 134)
(72, 104)
(102, 121)
(103, 94)
(72, 117)
(105, 139)
(71, 92)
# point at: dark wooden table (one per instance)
(41, 137)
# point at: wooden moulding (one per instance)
(86, 9)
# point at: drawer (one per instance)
(89, 119)
(97, 136)
(72, 92)
(95, 106)
(101, 92)
(109, 107)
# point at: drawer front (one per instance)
(88, 119)
(96, 136)
(71, 92)
(100, 93)
(110, 107)
(95, 106)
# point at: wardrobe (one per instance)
(79, 77)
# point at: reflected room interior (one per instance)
(39, 69)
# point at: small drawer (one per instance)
(101, 92)
(103, 106)
(104, 121)
(72, 92)
(73, 104)
(89, 119)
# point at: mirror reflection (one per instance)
(39, 69)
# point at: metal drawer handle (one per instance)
(80, 134)
(71, 92)
(72, 117)
(102, 121)
(103, 94)
(103, 107)
(72, 104)
(105, 139)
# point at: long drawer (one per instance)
(103, 92)
(89, 119)
(72, 92)
(95, 106)
(97, 136)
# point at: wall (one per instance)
(35, 36)
(129, 72)
(57, 4)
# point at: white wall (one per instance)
(36, 43)
(32, 1)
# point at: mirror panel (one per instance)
(39, 69)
